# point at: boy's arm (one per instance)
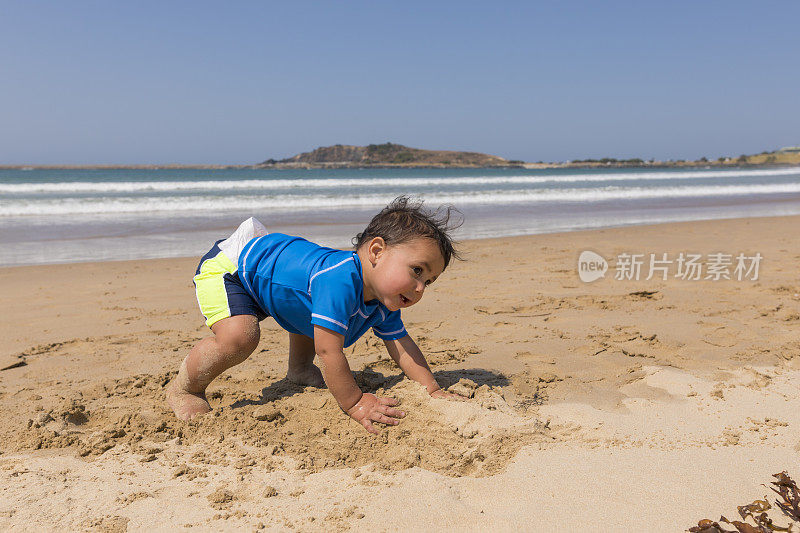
(364, 408)
(409, 358)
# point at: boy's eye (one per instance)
(417, 271)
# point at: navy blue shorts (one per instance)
(220, 293)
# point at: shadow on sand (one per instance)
(370, 381)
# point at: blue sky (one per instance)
(240, 82)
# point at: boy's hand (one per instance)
(442, 394)
(371, 408)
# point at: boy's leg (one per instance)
(235, 338)
(302, 369)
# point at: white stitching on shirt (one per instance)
(359, 312)
(244, 264)
(340, 263)
(315, 315)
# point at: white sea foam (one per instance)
(86, 187)
(220, 203)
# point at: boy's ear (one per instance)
(375, 249)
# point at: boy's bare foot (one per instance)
(186, 405)
(310, 375)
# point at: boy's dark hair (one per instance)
(405, 219)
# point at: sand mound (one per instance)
(477, 437)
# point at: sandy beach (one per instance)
(616, 405)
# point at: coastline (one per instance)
(660, 401)
(36, 240)
(60, 216)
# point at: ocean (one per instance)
(61, 216)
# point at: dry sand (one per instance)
(611, 406)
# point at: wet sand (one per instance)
(615, 405)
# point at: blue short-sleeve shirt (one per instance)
(301, 284)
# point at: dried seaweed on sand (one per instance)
(787, 489)
(757, 512)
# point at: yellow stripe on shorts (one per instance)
(210, 288)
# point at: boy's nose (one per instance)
(420, 288)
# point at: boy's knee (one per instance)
(239, 347)
(239, 337)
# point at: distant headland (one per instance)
(387, 155)
(390, 155)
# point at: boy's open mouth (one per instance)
(404, 299)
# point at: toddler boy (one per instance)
(326, 299)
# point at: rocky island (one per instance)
(386, 155)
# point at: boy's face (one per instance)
(400, 273)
